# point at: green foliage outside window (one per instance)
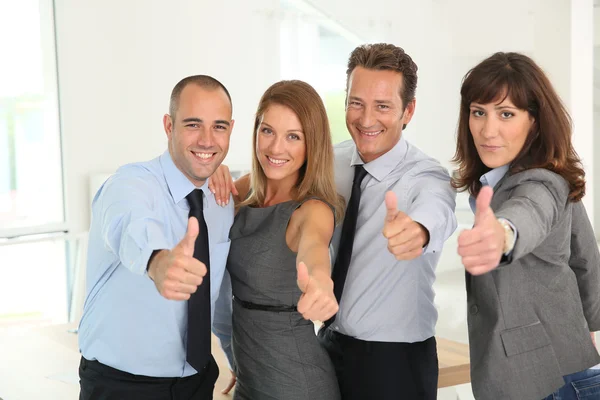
(335, 104)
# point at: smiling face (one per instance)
(280, 144)
(499, 131)
(374, 111)
(199, 133)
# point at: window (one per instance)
(315, 49)
(31, 184)
(34, 264)
(33, 283)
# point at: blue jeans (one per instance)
(584, 385)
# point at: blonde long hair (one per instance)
(316, 175)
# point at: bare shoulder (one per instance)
(314, 211)
(313, 220)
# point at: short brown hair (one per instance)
(316, 175)
(384, 56)
(204, 81)
(548, 144)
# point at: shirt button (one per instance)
(337, 328)
(474, 309)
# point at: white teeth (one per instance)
(370, 133)
(276, 161)
(204, 155)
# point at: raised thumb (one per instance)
(303, 276)
(482, 205)
(188, 242)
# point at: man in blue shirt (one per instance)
(141, 268)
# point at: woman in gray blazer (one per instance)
(532, 262)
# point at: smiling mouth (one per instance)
(276, 162)
(203, 156)
(369, 133)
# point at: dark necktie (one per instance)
(344, 255)
(198, 334)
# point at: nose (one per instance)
(489, 128)
(277, 145)
(205, 137)
(367, 118)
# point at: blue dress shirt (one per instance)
(126, 323)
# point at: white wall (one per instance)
(119, 60)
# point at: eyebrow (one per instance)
(200, 121)
(376, 101)
(498, 107)
(291, 130)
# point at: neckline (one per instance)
(271, 206)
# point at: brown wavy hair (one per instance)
(316, 175)
(548, 144)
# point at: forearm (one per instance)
(316, 258)
(132, 234)
(440, 222)
(432, 204)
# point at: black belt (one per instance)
(263, 307)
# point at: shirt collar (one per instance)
(383, 165)
(490, 178)
(179, 185)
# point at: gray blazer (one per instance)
(530, 319)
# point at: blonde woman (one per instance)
(279, 257)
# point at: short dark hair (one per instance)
(384, 56)
(204, 81)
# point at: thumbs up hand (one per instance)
(406, 238)
(176, 273)
(317, 302)
(481, 246)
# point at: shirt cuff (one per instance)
(435, 244)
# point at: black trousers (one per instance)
(383, 370)
(101, 382)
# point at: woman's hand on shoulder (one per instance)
(221, 185)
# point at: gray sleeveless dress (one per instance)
(277, 353)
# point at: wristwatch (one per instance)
(509, 236)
